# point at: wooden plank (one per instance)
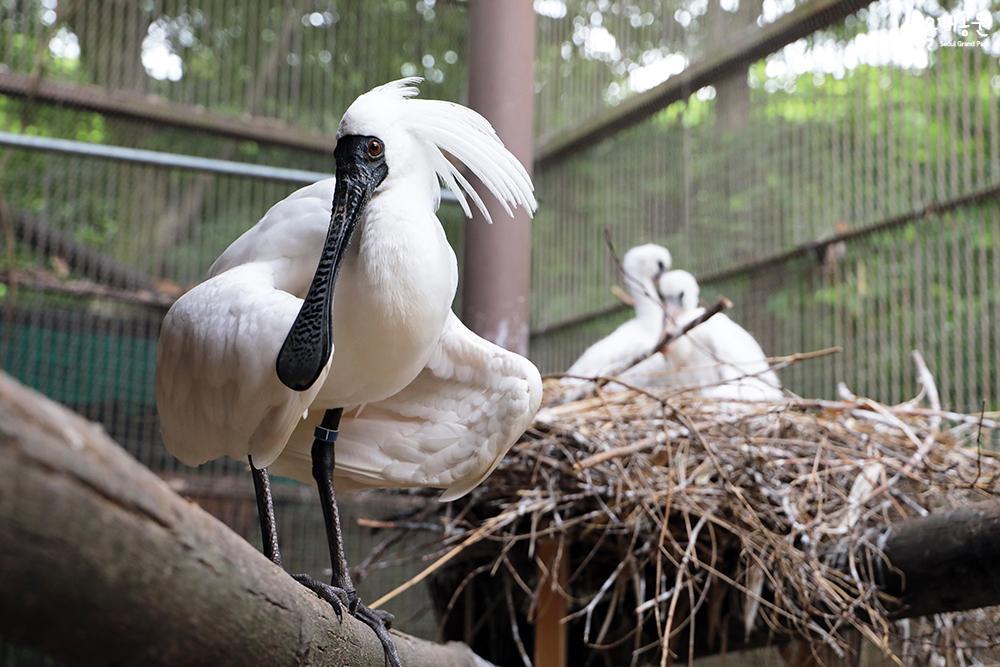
(736, 55)
(150, 108)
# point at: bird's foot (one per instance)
(336, 597)
(380, 621)
(340, 599)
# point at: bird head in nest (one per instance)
(679, 292)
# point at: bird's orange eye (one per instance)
(375, 149)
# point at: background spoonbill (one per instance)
(642, 266)
(397, 387)
(719, 356)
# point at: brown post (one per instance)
(550, 631)
(501, 87)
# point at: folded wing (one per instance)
(449, 428)
(216, 388)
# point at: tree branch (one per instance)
(103, 564)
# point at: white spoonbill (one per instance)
(718, 356)
(409, 395)
(642, 266)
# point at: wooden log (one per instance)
(36, 233)
(102, 563)
(944, 562)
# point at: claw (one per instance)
(339, 599)
(376, 620)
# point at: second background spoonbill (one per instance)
(641, 267)
(718, 357)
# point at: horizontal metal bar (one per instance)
(812, 247)
(736, 56)
(159, 159)
(155, 110)
(170, 160)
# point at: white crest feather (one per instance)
(446, 127)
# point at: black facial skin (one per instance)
(661, 268)
(361, 168)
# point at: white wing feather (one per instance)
(216, 387)
(449, 428)
(745, 365)
(723, 358)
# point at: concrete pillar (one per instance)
(501, 87)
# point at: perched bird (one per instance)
(719, 357)
(642, 267)
(325, 331)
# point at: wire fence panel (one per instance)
(298, 61)
(594, 54)
(928, 285)
(98, 243)
(844, 190)
(877, 122)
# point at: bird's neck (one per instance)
(647, 306)
(402, 257)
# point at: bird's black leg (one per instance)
(341, 590)
(265, 513)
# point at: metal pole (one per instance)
(501, 87)
(171, 160)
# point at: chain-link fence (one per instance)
(833, 168)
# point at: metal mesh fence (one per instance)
(881, 130)
(300, 61)
(99, 237)
(880, 121)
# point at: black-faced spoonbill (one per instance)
(718, 355)
(393, 384)
(642, 266)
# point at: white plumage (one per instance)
(448, 428)
(610, 356)
(719, 357)
(427, 402)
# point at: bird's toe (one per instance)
(386, 617)
(379, 621)
(338, 598)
